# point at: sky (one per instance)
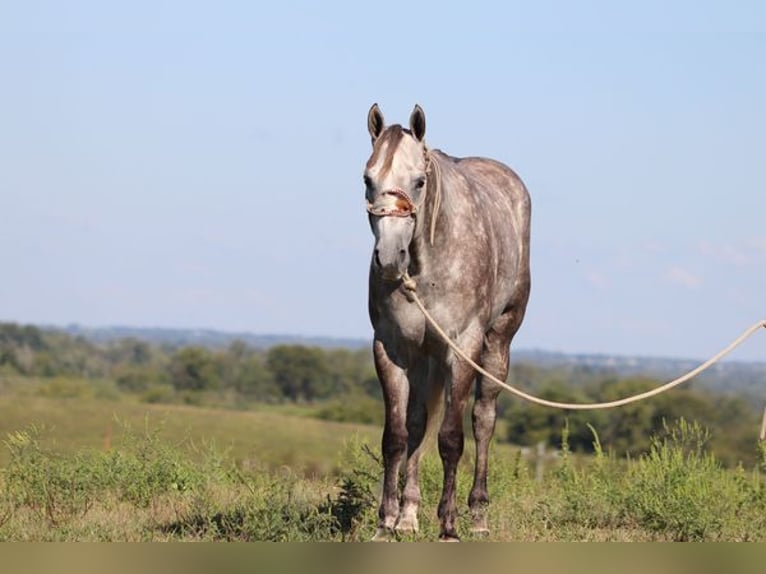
(199, 165)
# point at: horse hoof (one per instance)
(449, 538)
(479, 526)
(407, 526)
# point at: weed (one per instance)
(680, 488)
(54, 487)
(60, 488)
(274, 509)
(353, 510)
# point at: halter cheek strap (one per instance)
(392, 203)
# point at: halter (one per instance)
(396, 202)
(392, 203)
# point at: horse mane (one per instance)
(434, 183)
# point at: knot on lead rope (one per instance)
(409, 287)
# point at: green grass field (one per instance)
(75, 416)
(81, 462)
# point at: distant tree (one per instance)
(232, 363)
(12, 334)
(300, 373)
(18, 345)
(194, 369)
(256, 381)
(238, 350)
(352, 371)
(524, 376)
(528, 424)
(138, 378)
(371, 385)
(627, 429)
(734, 435)
(131, 351)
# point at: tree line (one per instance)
(292, 373)
(343, 384)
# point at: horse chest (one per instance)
(401, 320)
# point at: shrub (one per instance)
(590, 492)
(354, 509)
(54, 487)
(275, 509)
(681, 488)
(60, 487)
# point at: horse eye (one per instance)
(420, 182)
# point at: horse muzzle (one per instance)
(393, 235)
(391, 264)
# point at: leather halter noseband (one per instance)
(392, 203)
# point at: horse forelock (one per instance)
(385, 148)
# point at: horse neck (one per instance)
(435, 219)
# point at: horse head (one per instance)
(395, 182)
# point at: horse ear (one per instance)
(418, 123)
(375, 122)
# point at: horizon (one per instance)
(361, 342)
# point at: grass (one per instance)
(266, 437)
(82, 465)
(147, 489)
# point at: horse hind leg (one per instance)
(451, 436)
(495, 359)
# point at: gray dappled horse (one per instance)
(460, 228)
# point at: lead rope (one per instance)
(410, 285)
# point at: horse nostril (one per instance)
(377, 258)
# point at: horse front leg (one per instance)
(408, 514)
(424, 395)
(395, 389)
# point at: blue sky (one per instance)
(187, 164)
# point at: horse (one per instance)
(459, 228)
